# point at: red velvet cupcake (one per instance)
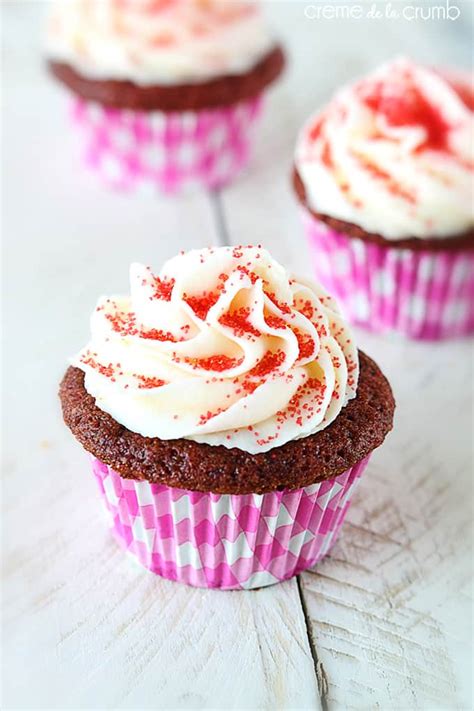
(229, 417)
(384, 176)
(168, 92)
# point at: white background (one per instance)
(386, 620)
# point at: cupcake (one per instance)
(384, 176)
(166, 92)
(228, 415)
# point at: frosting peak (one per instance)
(394, 153)
(222, 347)
(157, 41)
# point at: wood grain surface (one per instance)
(385, 621)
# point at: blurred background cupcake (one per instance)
(384, 175)
(167, 91)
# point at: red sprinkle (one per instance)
(392, 185)
(275, 321)
(156, 334)
(284, 308)
(404, 105)
(271, 361)
(306, 308)
(107, 370)
(305, 343)
(163, 288)
(201, 303)
(215, 363)
(251, 275)
(251, 385)
(300, 411)
(208, 416)
(238, 321)
(125, 324)
(149, 382)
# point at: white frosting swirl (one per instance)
(157, 41)
(222, 347)
(394, 154)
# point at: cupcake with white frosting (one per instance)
(167, 92)
(384, 175)
(229, 416)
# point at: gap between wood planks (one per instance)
(319, 671)
(223, 240)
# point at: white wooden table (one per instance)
(384, 622)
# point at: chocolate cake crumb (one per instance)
(222, 91)
(360, 427)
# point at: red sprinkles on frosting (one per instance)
(271, 361)
(306, 344)
(163, 288)
(214, 363)
(352, 367)
(108, 371)
(238, 321)
(402, 103)
(251, 275)
(203, 419)
(149, 382)
(391, 184)
(306, 403)
(201, 303)
(275, 321)
(299, 408)
(305, 307)
(125, 324)
(284, 308)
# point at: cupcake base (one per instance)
(225, 541)
(422, 294)
(167, 150)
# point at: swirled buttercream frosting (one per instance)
(158, 41)
(393, 153)
(222, 347)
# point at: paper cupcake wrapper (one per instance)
(421, 294)
(225, 541)
(167, 151)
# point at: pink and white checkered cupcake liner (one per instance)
(169, 151)
(225, 541)
(421, 294)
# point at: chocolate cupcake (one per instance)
(229, 416)
(384, 177)
(166, 92)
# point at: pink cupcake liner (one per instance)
(420, 294)
(225, 541)
(129, 149)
